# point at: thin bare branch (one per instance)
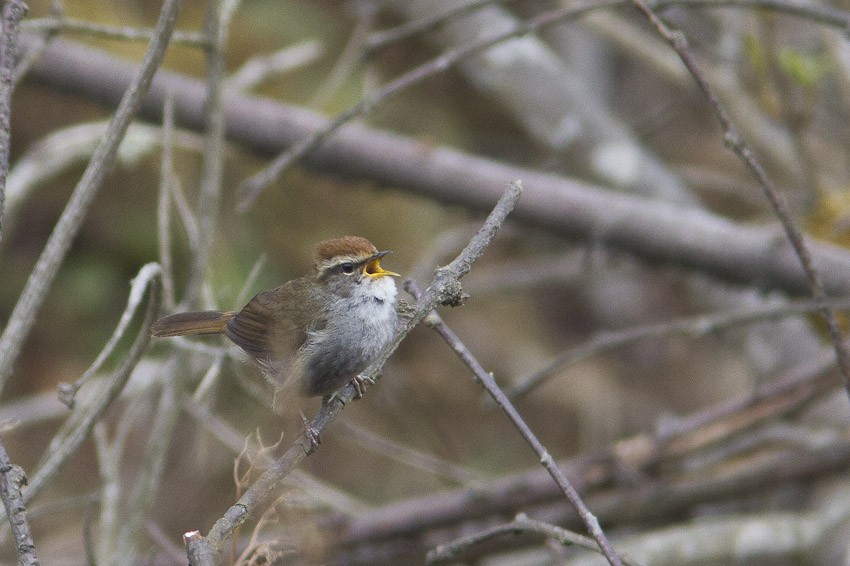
(66, 148)
(521, 524)
(163, 209)
(41, 278)
(485, 379)
(409, 457)
(260, 69)
(696, 326)
(67, 391)
(12, 479)
(93, 29)
(108, 456)
(382, 39)
(28, 58)
(347, 61)
(13, 12)
(147, 483)
(215, 28)
(81, 424)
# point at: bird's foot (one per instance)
(312, 435)
(360, 382)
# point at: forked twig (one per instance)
(486, 380)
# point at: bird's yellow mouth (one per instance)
(374, 269)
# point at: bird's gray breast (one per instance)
(358, 329)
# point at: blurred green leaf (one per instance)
(806, 69)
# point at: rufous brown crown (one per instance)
(348, 246)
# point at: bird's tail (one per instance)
(192, 323)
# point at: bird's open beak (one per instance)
(374, 269)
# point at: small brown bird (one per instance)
(318, 331)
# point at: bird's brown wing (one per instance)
(270, 334)
(249, 328)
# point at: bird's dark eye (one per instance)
(347, 267)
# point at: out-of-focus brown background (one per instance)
(533, 296)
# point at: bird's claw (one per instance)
(360, 382)
(312, 435)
